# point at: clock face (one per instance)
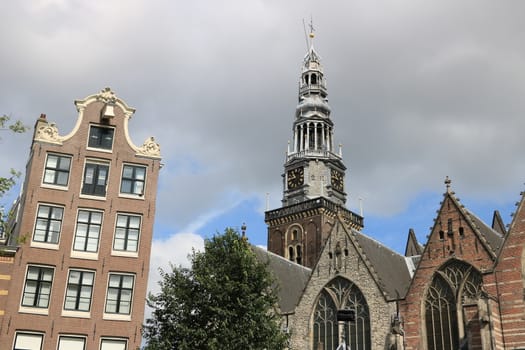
(295, 178)
(337, 179)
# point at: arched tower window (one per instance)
(341, 294)
(314, 79)
(454, 286)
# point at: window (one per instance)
(120, 291)
(48, 224)
(127, 233)
(95, 179)
(57, 170)
(28, 341)
(88, 231)
(71, 343)
(79, 290)
(341, 294)
(37, 289)
(113, 344)
(453, 288)
(100, 137)
(133, 177)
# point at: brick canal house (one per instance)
(74, 268)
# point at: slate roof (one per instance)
(493, 238)
(290, 277)
(391, 267)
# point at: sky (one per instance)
(419, 90)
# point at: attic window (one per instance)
(461, 232)
(100, 137)
(441, 235)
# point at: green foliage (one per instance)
(17, 126)
(225, 301)
(6, 183)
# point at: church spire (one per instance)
(314, 168)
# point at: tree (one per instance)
(224, 301)
(6, 183)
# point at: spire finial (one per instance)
(447, 183)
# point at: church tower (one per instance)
(313, 188)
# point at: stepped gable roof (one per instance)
(390, 267)
(291, 278)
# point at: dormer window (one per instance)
(101, 137)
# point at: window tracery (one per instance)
(453, 287)
(341, 294)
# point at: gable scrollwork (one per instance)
(47, 132)
(149, 148)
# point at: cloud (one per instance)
(174, 250)
(418, 89)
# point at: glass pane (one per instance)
(134, 222)
(64, 163)
(90, 172)
(127, 172)
(43, 211)
(114, 280)
(62, 178)
(126, 186)
(139, 187)
(83, 216)
(56, 213)
(140, 173)
(122, 220)
(49, 176)
(102, 174)
(96, 217)
(52, 161)
(74, 276)
(79, 243)
(127, 282)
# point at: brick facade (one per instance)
(93, 187)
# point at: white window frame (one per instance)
(126, 252)
(98, 163)
(44, 244)
(119, 315)
(76, 312)
(71, 336)
(23, 333)
(123, 341)
(133, 181)
(53, 184)
(101, 149)
(84, 254)
(36, 309)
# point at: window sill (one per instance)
(116, 317)
(33, 310)
(131, 196)
(55, 187)
(84, 255)
(125, 254)
(43, 245)
(104, 150)
(97, 198)
(76, 314)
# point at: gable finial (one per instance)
(447, 183)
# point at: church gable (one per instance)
(459, 234)
(342, 266)
(460, 253)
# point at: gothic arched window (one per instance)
(453, 286)
(341, 294)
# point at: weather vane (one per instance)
(309, 35)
